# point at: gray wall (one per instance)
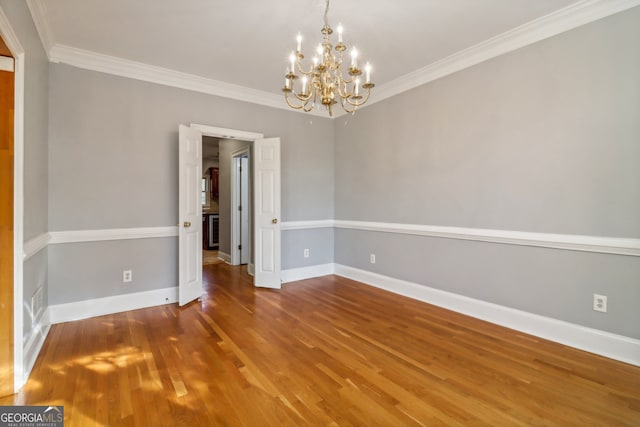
(35, 149)
(319, 242)
(543, 139)
(84, 271)
(113, 164)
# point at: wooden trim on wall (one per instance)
(7, 100)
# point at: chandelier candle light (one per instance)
(324, 81)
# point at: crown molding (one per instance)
(37, 8)
(149, 73)
(560, 21)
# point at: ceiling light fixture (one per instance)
(324, 82)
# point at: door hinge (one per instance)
(239, 247)
(240, 207)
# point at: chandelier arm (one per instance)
(301, 98)
(295, 107)
(306, 73)
(306, 110)
(344, 107)
(347, 81)
(342, 87)
(359, 103)
(313, 103)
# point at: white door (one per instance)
(244, 213)
(189, 215)
(266, 175)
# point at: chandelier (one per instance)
(323, 81)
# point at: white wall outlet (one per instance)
(372, 258)
(306, 253)
(600, 303)
(127, 276)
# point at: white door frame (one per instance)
(236, 221)
(12, 42)
(225, 133)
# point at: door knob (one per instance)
(187, 224)
(274, 221)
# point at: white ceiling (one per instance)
(247, 42)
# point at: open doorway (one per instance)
(225, 197)
(264, 161)
(210, 198)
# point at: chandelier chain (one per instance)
(326, 14)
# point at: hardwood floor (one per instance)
(327, 351)
(210, 257)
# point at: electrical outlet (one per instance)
(127, 276)
(306, 253)
(600, 303)
(372, 258)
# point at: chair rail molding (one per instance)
(77, 236)
(605, 245)
(307, 225)
(573, 242)
(35, 245)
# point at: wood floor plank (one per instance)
(326, 351)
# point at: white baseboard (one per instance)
(251, 269)
(606, 344)
(302, 273)
(35, 342)
(108, 305)
(224, 256)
